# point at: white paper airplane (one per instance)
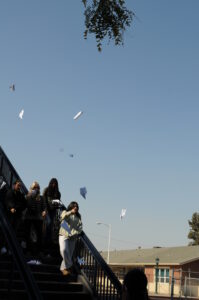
(78, 115)
(12, 87)
(56, 201)
(83, 192)
(21, 114)
(2, 183)
(81, 260)
(65, 226)
(123, 213)
(34, 262)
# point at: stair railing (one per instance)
(103, 281)
(9, 175)
(18, 257)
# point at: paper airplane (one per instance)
(83, 192)
(34, 262)
(12, 87)
(78, 115)
(71, 155)
(123, 213)
(65, 226)
(80, 260)
(56, 201)
(21, 114)
(2, 183)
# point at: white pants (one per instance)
(66, 247)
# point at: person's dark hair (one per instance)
(71, 206)
(17, 181)
(135, 282)
(53, 189)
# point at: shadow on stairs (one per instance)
(51, 282)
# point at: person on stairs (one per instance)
(70, 228)
(51, 193)
(15, 204)
(35, 215)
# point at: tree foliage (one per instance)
(194, 230)
(106, 19)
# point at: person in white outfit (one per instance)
(70, 228)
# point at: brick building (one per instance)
(160, 265)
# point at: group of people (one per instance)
(39, 212)
(36, 210)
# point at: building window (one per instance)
(162, 275)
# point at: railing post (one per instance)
(95, 275)
(172, 284)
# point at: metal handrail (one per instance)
(10, 237)
(10, 175)
(104, 282)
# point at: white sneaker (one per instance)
(3, 250)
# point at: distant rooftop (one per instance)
(166, 255)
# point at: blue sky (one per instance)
(136, 145)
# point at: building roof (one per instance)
(166, 255)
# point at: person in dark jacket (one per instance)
(135, 285)
(34, 217)
(51, 193)
(15, 204)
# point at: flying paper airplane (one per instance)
(21, 114)
(83, 192)
(78, 115)
(123, 213)
(12, 87)
(71, 155)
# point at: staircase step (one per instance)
(42, 276)
(51, 282)
(44, 285)
(47, 295)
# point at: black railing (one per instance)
(9, 175)
(18, 258)
(104, 282)
(8, 172)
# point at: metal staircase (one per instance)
(92, 280)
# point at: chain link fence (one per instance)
(177, 283)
